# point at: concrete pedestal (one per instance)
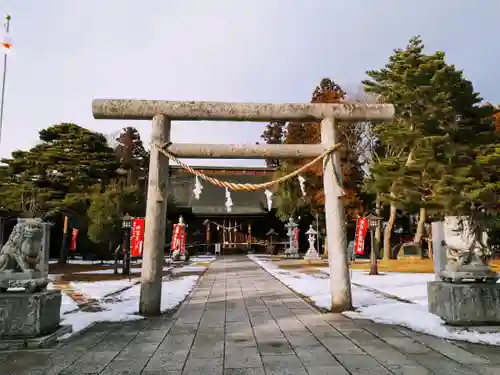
(30, 319)
(312, 254)
(465, 304)
(292, 253)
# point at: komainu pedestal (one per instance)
(29, 314)
(468, 293)
(465, 304)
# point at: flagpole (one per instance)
(7, 26)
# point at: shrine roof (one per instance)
(212, 199)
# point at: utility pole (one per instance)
(2, 99)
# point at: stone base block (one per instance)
(40, 342)
(29, 315)
(312, 255)
(465, 304)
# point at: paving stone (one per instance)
(132, 365)
(450, 350)
(283, 365)
(281, 347)
(486, 369)
(327, 370)
(17, 363)
(245, 371)
(411, 369)
(91, 362)
(362, 365)
(386, 354)
(382, 330)
(208, 345)
(202, 366)
(301, 338)
(290, 323)
(492, 353)
(171, 354)
(242, 357)
(441, 365)
(315, 356)
(407, 345)
(183, 328)
(340, 345)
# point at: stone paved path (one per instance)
(240, 320)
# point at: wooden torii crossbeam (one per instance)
(163, 112)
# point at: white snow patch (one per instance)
(378, 308)
(100, 289)
(124, 307)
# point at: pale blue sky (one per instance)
(71, 51)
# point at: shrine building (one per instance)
(209, 222)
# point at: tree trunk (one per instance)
(378, 230)
(63, 254)
(373, 255)
(393, 211)
(388, 231)
(420, 228)
(115, 256)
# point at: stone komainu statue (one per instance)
(467, 254)
(20, 257)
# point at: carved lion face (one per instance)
(31, 239)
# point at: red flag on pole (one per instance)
(361, 229)
(74, 239)
(137, 237)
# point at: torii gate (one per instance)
(163, 112)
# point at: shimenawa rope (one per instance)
(246, 187)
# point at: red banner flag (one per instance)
(74, 239)
(183, 243)
(137, 237)
(361, 229)
(296, 238)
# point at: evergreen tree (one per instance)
(133, 157)
(274, 134)
(438, 126)
(410, 82)
(288, 196)
(106, 210)
(59, 171)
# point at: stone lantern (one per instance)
(312, 253)
(292, 227)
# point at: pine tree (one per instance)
(106, 210)
(58, 172)
(274, 134)
(133, 157)
(438, 118)
(289, 201)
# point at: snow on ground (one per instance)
(67, 303)
(202, 258)
(124, 302)
(124, 307)
(80, 261)
(377, 307)
(111, 271)
(100, 289)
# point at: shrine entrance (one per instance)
(163, 112)
(241, 229)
